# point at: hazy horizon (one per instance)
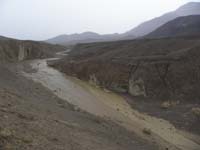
(40, 20)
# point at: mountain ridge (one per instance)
(85, 37)
(181, 26)
(191, 8)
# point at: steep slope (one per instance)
(191, 8)
(15, 50)
(182, 26)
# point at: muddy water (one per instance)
(111, 106)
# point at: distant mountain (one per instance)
(192, 8)
(86, 37)
(182, 26)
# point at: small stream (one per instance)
(108, 105)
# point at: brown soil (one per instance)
(32, 117)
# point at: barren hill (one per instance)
(192, 8)
(112, 62)
(182, 26)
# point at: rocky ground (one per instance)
(32, 117)
(183, 115)
(162, 75)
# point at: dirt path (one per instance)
(109, 105)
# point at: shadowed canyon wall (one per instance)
(162, 68)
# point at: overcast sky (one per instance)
(43, 19)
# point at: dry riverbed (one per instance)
(32, 117)
(112, 107)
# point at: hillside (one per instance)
(15, 50)
(111, 64)
(182, 26)
(191, 8)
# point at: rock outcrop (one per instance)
(14, 50)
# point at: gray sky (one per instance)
(43, 19)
